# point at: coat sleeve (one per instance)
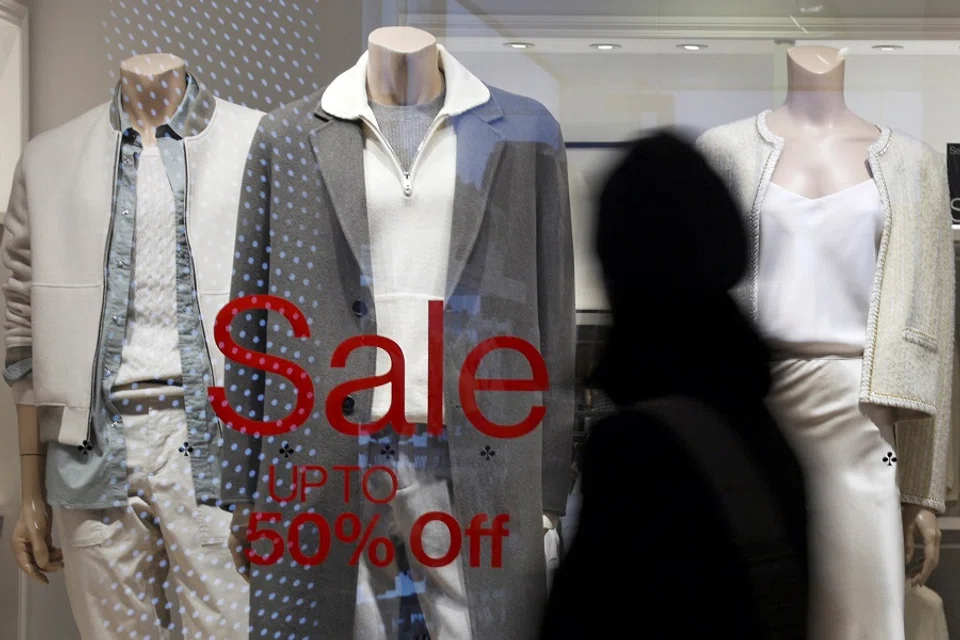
(557, 317)
(245, 386)
(923, 444)
(17, 321)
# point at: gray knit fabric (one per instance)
(405, 127)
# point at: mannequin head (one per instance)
(815, 68)
(152, 64)
(403, 66)
(152, 86)
(402, 40)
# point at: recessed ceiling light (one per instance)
(691, 47)
(605, 46)
(888, 47)
(518, 45)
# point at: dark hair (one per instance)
(667, 226)
(672, 243)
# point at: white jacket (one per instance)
(55, 241)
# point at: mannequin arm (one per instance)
(33, 456)
(32, 542)
(923, 445)
(557, 308)
(17, 319)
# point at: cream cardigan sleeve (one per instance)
(15, 248)
(923, 444)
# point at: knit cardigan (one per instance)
(908, 356)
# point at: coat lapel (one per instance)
(338, 147)
(479, 148)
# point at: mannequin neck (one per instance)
(403, 67)
(152, 88)
(815, 85)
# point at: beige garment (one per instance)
(422, 467)
(910, 332)
(953, 456)
(119, 563)
(925, 618)
(855, 531)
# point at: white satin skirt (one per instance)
(856, 537)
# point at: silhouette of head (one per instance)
(668, 230)
(672, 243)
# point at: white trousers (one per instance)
(422, 466)
(856, 537)
(120, 563)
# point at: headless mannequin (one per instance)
(404, 69)
(817, 125)
(825, 151)
(153, 87)
(404, 66)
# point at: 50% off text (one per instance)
(348, 528)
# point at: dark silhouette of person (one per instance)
(694, 511)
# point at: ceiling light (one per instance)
(518, 45)
(605, 46)
(691, 47)
(888, 47)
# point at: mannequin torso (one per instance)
(825, 143)
(404, 66)
(152, 86)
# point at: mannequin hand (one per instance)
(549, 522)
(32, 542)
(238, 543)
(917, 518)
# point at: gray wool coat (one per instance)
(302, 235)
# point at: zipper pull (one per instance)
(407, 185)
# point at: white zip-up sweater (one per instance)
(908, 356)
(410, 213)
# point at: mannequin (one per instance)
(809, 174)
(152, 86)
(818, 123)
(120, 459)
(404, 66)
(434, 152)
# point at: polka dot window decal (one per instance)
(260, 54)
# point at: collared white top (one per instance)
(410, 215)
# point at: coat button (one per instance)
(348, 405)
(359, 308)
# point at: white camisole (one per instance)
(818, 260)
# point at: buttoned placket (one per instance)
(106, 422)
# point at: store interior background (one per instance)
(600, 96)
